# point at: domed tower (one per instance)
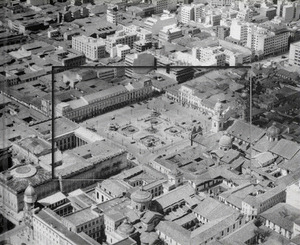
(273, 132)
(141, 200)
(125, 229)
(218, 118)
(245, 105)
(225, 143)
(30, 198)
(175, 177)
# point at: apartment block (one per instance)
(294, 55)
(113, 16)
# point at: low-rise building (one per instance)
(283, 219)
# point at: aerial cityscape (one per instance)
(150, 122)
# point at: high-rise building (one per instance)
(199, 11)
(287, 10)
(113, 16)
(192, 12)
(268, 39)
(239, 31)
(92, 48)
(223, 32)
(294, 56)
(187, 13)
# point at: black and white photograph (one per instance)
(150, 122)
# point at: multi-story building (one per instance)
(80, 2)
(239, 31)
(283, 219)
(213, 18)
(10, 39)
(293, 194)
(37, 2)
(139, 59)
(102, 101)
(92, 48)
(288, 11)
(268, 39)
(114, 16)
(294, 55)
(204, 224)
(267, 11)
(48, 228)
(220, 3)
(210, 55)
(142, 45)
(199, 12)
(27, 25)
(156, 23)
(120, 51)
(245, 14)
(169, 33)
(255, 204)
(187, 13)
(162, 5)
(70, 57)
(88, 220)
(141, 33)
(181, 74)
(223, 32)
(92, 160)
(120, 37)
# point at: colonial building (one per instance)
(105, 100)
(88, 162)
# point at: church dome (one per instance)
(225, 141)
(126, 228)
(273, 131)
(29, 194)
(141, 196)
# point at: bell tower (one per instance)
(30, 198)
(218, 118)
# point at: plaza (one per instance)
(156, 125)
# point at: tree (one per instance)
(258, 222)
(261, 234)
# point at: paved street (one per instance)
(15, 236)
